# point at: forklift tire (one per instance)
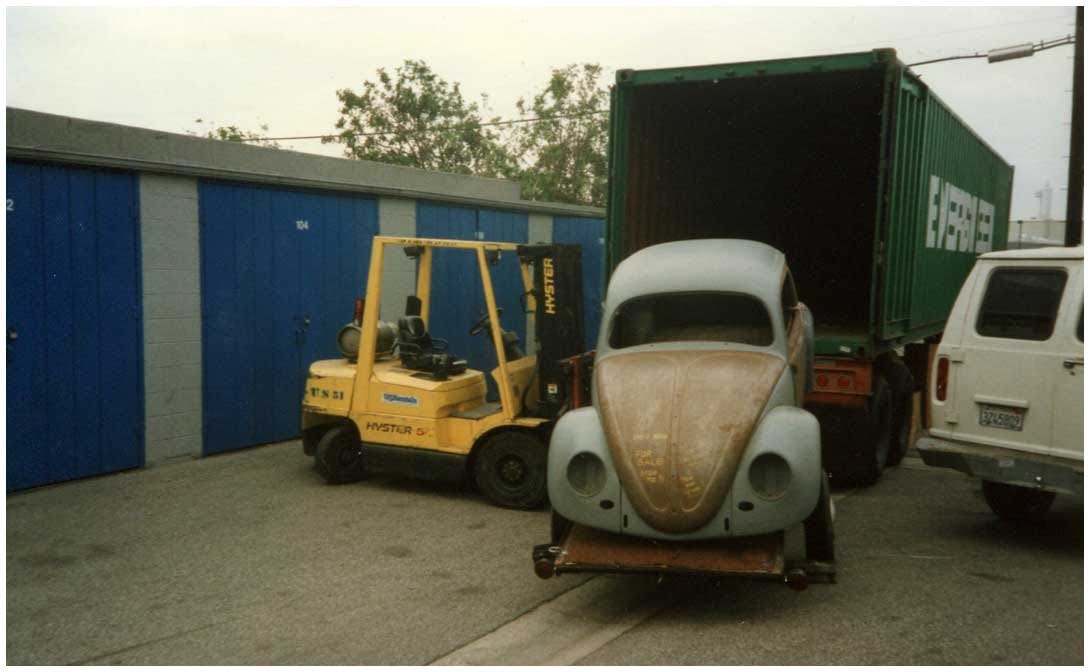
(510, 470)
(338, 457)
(818, 527)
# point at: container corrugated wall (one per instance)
(949, 200)
(75, 402)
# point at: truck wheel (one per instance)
(900, 382)
(338, 457)
(1013, 502)
(876, 434)
(510, 470)
(818, 527)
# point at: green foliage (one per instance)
(564, 158)
(235, 134)
(415, 118)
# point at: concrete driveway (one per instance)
(248, 558)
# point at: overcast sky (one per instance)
(164, 68)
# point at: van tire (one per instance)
(509, 469)
(1016, 503)
(338, 456)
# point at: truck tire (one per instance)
(818, 527)
(509, 469)
(901, 384)
(338, 457)
(872, 438)
(1013, 502)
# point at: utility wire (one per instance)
(409, 131)
(1040, 46)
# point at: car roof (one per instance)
(717, 264)
(1037, 253)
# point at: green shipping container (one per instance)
(879, 195)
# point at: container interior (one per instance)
(790, 160)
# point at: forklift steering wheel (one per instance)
(483, 323)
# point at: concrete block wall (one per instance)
(396, 217)
(170, 248)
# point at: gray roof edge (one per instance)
(49, 137)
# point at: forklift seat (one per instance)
(420, 352)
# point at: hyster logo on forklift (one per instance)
(550, 286)
(388, 427)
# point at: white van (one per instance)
(1006, 383)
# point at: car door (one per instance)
(1067, 408)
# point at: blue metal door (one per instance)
(589, 233)
(457, 295)
(279, 272)
(75, 404)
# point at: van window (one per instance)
(691, 316)
(1021, 303)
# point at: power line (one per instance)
(1040, 46)
(408, 131)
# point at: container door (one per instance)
(589, 233)
(279, 272)
(75, 403)
(1010, 359)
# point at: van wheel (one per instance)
(876, 434)
(338, 457)
(1013, 502)
(900, 382)
(510, 470)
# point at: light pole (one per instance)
(1073, 225)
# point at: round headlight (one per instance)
(587, 474)
(770, 475)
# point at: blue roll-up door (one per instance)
(75, 403)
(457, 296)
(588, 232)
(279, 272)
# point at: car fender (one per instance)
(580, 431)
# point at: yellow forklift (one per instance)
(400, 402)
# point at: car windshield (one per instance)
(691, 316)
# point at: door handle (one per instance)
(1072, 363)
(12, 334)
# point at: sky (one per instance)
(164, 68)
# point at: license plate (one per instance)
(1003, 417)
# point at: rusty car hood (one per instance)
(677, 423)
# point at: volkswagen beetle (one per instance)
(696, 429)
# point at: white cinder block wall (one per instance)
(396, 217)
(170, 244)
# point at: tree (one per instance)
(236, 134)
(563, 157)
(415, 118)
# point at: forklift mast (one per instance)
(558, 320)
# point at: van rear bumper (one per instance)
(1003, 465)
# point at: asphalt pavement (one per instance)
(248, 558)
